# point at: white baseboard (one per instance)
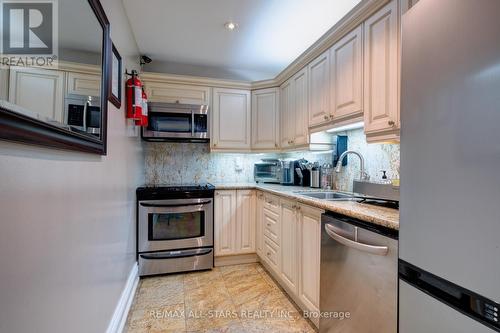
(237, 259)
(119, 318)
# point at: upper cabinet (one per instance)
(319, 90)
(287, 128)
(347, 76)
(381, 70)
(48, 84)
(301, 108)
(83, 84)
(231, 118)
(294, 111)
(177, 93)
(265, 119)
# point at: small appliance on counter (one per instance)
(303, 174)
(287, 172)
(175, 228)
(267, 171)
(316, 175)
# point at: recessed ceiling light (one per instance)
(230, 25)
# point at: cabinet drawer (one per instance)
(272, 225)
(271, 253)
(272, 203)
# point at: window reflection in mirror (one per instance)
(67, 95)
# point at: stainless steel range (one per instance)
(175, 231)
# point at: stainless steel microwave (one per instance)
(177, 122)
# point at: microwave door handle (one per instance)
(85, 107)
(192, 123)
(144, 204)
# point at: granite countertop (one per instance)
(383, 216)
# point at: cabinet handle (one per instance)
(391, 123)
(269, 224)
(331, 116)
(268, 254)
(276, 145)
(215, 145)
(325, 117)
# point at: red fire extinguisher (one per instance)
(144, 115)
(134, 97)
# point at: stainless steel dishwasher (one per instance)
(358, 287)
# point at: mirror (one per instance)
(60, 98)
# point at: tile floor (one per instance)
(240, 298)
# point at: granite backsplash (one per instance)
(177, 163)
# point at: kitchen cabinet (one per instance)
(83, 84)
(177, 93)
(381, 74)
(245, 221)
(38, 90)
(234, 222)
(231, 119)
(347, 76)
(301, 106)
(225, 222)
(294, 111)
(286, 114)
(319, 90)
(4, 83)
(309, 256)
(289, 245)
(259, 223)
(265, 119)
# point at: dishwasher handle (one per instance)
(373, 249)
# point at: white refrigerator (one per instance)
(449, 238)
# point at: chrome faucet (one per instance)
(362, 174)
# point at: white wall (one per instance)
(67, 223)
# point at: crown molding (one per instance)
(194, 80)
(349, 22)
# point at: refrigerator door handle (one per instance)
(373, 249)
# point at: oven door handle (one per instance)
(143, 204)
(175, 254)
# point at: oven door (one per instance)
(175, 224)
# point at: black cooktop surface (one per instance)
(175, 191)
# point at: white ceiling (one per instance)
(188, 36)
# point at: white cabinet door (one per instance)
(225, 222)
(231, 119)
(177, 93)
(38, 90)
(289, 247)
(83, 84)
(4, 83)
(309, 252)
(381, 96)
(259, 227)
(245, 221)
(301, 105)
(347, 76)
(319, 90)
(265, 119)
(287, 118)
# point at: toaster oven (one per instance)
(267, 171)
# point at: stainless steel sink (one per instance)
(329, 195)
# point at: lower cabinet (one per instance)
(293, 256)
(309, 256)
(286, 236)
(289, 270)
(234, 222)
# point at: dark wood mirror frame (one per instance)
(20, 128)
